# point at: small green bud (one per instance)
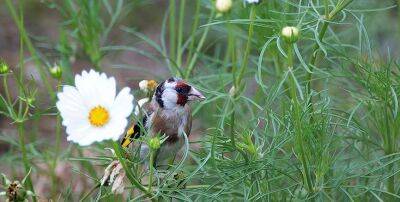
(4, 69)
(56, 71)
(31, 101)
(154, 143)
(223, 6)
(290, 34)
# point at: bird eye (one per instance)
(183, 89)
(179, 89)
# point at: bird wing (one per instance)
(136, 129)
(134, 132)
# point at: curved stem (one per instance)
(6, 90)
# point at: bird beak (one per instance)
(194, 95)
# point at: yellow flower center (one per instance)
(98, 116)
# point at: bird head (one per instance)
(175, 92)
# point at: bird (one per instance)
(168, 113)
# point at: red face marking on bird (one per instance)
(182, 90)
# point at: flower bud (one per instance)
(4, 67)
(223, 6)
(290, 34)
(147, 85)
(56, 71)
(16, 192)
(143, 85)
(154, 143)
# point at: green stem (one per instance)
(57, 147)
(237, 80)
(151, 171)
(232, 134)
(180, 33)
(199, 46)
(398, 19)
(314, 56)
(89, 192)
(389, 147)
(328, 16)
(245, 61)
(172, 38)
(193, 33)
(21, 134)
(6, 91)
(297, 122)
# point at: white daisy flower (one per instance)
(91, 111)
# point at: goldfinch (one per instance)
(167, 114)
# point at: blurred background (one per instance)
(117, 42)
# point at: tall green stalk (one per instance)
(342, 4)
(245, 62)
(21, 134)
(193, 60)
(196, 19)
(151, 170)
(297, 123)
(57, 147)
(172, 30)
(180, 33)
(237, 78)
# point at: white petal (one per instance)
(70, 105)
(112, 130)
(139, 105)
(94, 85)
(85, 88)
(123, 104)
